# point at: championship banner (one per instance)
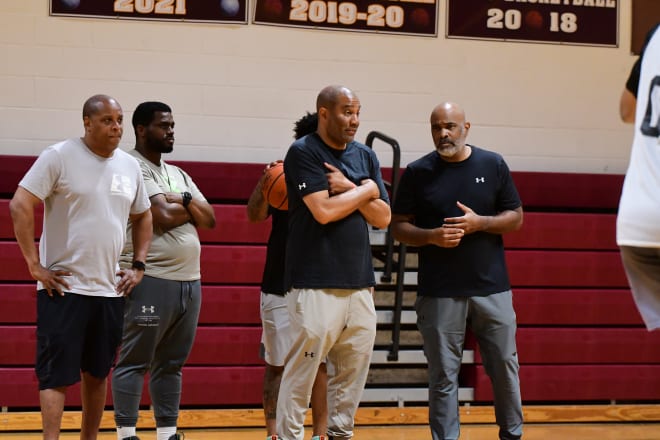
(411, 17)
(580, 22)
(217, 11)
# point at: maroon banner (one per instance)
(588, 22)
(216, 11)
(412, 17)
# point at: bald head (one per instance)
(448, 108)
(96, 103)
(449, 130)
(338, 111)
(103, 121)
(330, 96)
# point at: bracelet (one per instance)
(138, 265)
(187, 198)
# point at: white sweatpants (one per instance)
(339, 324)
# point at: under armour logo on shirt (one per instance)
(309, 354)
(480, 179)
(301, 186)
(150, 309)
(120, 185)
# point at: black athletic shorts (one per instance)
(76, 333)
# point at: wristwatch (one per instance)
(138, 265)
(187, 198)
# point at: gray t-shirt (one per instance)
(87, 202)
(174, 254)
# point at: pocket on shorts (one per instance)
(270, 302)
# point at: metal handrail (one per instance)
(396, 165)
(393, 355)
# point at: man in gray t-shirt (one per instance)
(90, 189)
(160, 317)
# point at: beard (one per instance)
(447, 149)
(166, 148)
(160, 145)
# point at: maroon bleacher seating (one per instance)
(202, 386)
(226, 346)
(575, 307)
(18, 303)
(214, 345)
(230, 305)
(227, 264)
(580, 336)
(550, 268)
(568, 191)
(241, 264)
(222, 304)
(554, 230)
(575, 383)
(591, 345)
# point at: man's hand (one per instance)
(174, 197)
(337, 182)
(51, 279)
(470, 222)
(371, 184)
(129, 279)
(446, 236)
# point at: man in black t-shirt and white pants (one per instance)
(455, 203)
(328, 265)
(275, 335)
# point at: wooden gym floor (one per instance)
(565, 422)
(578, 431)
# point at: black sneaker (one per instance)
(131, 438)
(178, 436)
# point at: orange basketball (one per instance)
(274, 187)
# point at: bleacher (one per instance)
(580, 337)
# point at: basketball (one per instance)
(274, 187)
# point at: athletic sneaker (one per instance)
(272, 437)
(177, 436)
(319, 437)
(131, 438)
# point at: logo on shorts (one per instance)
(150, 309)
(309, 354)
(302, 186)
(480, 179)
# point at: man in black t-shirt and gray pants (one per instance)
(455, 203)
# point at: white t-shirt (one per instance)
(87, 202)
(638, 220)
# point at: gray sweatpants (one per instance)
(442, 322)
(160, 321)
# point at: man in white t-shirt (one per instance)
(90, 189)
(638, 219)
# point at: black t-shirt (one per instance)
(429, 190)
(338, 254)
(273, 277)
